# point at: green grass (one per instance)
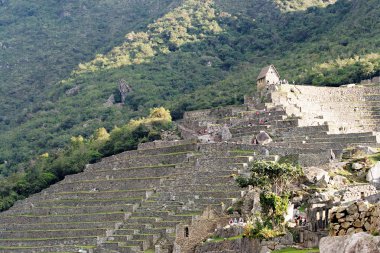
(293, 250)
(220, 239)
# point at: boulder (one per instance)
(365, 149)
(357, 166)
(315, 175)
(263, 138)
(340, 215)
(352, 209)
(339, 181)
(363, 206)
(110, 101)
(265, 249)
(356, 243)
(373, 175)
(225, 133)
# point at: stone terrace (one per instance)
(344, 109)
(314, 123)
(128, 201)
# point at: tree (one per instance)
(272, 176)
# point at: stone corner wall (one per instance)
(188, 236)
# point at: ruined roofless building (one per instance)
(268, 76)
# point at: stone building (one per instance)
(268, 76)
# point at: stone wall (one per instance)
(345, 109)
(357, 217)
(188, 236)
(163, 144)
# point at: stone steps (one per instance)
(322, 146)
(104, 194)
(46, 249)
(52, 233)
(37, 242)
(336, 139)
(55, 210)
(19, 219)
(92, 203)
(116, 247)
(111, 184)
(329, 136)
(116, 173)
(162, 150)
(57, 226)
(199, 194)
(140, 161)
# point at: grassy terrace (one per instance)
(43, 239)
(47, 247)
(97, 192)
(55, 230)
(64, 215)
(118, 179)
(90, 200)
(77, 207)
(71, 223)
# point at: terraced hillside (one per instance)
(131, 201)
(128, 201)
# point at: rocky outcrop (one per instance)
(263, 138)
(316, 175)
(365, 149)
(355, 218)
(73, 91)
(356, 243)
(373, 175)
(124, 89)
(110, 101)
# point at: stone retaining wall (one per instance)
(163, 144)
(357, 217)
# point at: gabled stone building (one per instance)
(268, 76)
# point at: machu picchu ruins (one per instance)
(173, 195)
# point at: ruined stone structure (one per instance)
(268, 76)
(141, 199)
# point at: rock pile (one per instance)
(355, 218)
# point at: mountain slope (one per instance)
(196, 65)
(41, 43)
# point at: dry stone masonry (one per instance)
(355, 218)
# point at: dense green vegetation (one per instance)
(41, 43)
(198, 55)
(49, 168)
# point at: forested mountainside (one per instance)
(61, 61)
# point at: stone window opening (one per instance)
(186, 232)
(362, 195)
